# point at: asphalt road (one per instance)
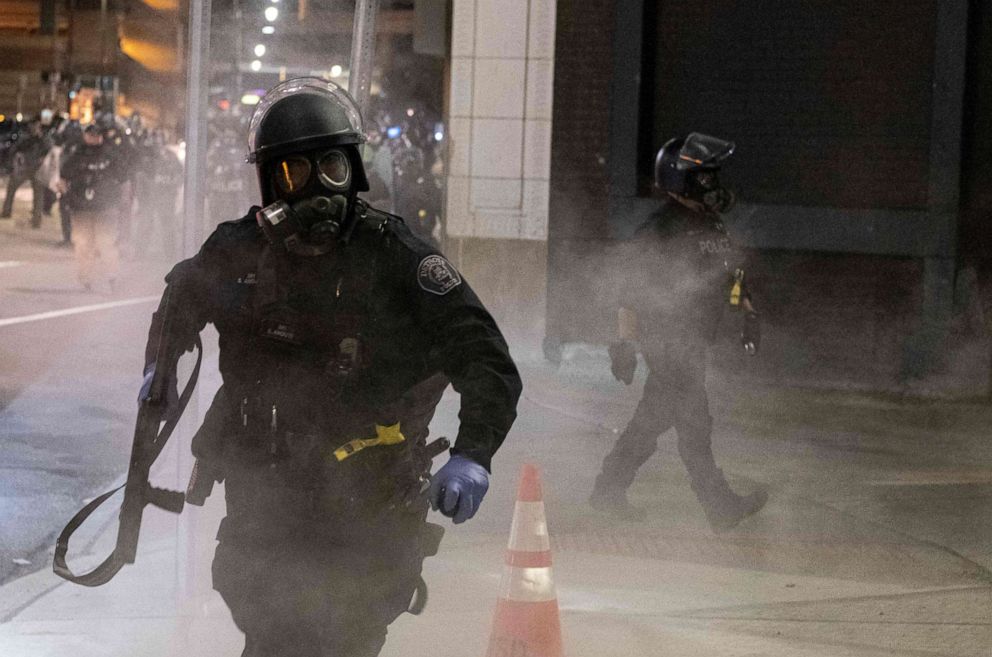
(70, 364)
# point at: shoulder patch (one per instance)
(437, 276)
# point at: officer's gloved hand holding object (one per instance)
(171, 395)
(623, 361)
(751, 333)
(458, 488)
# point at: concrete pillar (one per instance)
(502, 77)
(501, 90)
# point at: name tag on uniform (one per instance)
(715, 246)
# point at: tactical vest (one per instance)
(304, 394)
(684, 275)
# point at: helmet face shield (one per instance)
(704, 151)
(300, 114)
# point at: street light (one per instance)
(260, 50)
(256, 65)
(336, 71)
(271, 14)
(268, 29)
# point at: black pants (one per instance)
(48, 201)
(37, 197)
(674, 396)
(65, 215)
(316, 586)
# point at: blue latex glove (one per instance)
(458, 488)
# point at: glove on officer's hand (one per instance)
(751, 333)
(623, 361)
(171, 394)
(458, 488)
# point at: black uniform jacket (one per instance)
(95, 175)
(682, 265)
(347, 332)
(29, 152)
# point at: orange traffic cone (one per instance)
(526, 623)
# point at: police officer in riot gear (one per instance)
(28, 153)
(687, 274)
(230, 180)
(339, 330)
(159, 183)
(93, 178)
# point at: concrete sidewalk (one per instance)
(876, 542)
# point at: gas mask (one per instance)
(315, 197)
(704, 187)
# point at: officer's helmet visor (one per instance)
(703, 151)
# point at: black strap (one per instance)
(419, 602)
(102, 573)
(168, 500)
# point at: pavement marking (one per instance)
(956, 477)
(10, 321)
(5, 264)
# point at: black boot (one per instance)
(613, 500)
(724, 508)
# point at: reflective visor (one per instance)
(291, 174)
(334, 169)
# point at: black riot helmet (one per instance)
(688, 167)
(309, 118)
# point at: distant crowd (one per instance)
(137, 191)
(34, 153)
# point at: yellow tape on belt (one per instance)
(390, 435)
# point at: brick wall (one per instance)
(976, 237)
(578, 220)
(829, 103)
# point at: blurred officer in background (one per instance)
(686, 273)
(50, 122)
(230, 181)
(119, 140)
(158, 184)
(28, 153)
(93, 177)
(68, 136)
